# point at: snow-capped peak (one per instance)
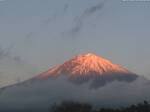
(85, 64)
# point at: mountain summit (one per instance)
(88, 66)
(73, 81)
(83, 65)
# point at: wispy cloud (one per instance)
(79, 22)
(5, 52)
(9, 61)
(1, 74)
(66, 6)
(40, 26)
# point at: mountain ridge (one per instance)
(84, 64)
(89, 67)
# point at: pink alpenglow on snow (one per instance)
(85, 67)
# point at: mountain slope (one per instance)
(73, 81)
(83, 68)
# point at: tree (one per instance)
(84, 107)
(71, 107)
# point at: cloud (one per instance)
(29, 35)
(1, 74)
(79, 22)
(5, 52)
(41, 25)
(13, 66)
(41, 94)
(66, 6)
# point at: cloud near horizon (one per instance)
(47, 92)
(13, 67)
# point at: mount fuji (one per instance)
(85, 78)
(89, 67)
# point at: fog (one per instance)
(41, 94)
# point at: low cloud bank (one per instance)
(40, 94)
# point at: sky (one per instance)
(38, 34)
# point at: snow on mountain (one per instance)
(86, 78)
(85, 67)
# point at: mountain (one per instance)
(84, 78)
(86, 67)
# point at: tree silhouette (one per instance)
(71, 107)
(84, 107)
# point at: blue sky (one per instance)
(38, 34)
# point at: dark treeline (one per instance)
(68, 106)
